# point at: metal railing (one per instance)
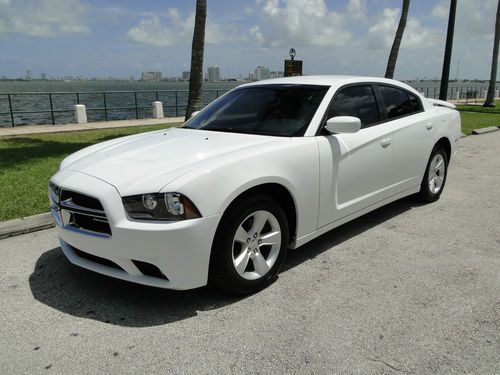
(57, 107)
(105, 102)
(465, 92)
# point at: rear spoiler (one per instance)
(442, 103)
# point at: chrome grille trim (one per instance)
(69, 205)
(66, 214)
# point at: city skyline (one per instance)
(92, 38)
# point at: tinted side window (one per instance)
(358, 101)
(416, 104)
(397, 102)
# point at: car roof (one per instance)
(328, 80)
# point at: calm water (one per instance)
(64, 98)
(174, 103)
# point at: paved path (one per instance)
(408, 288)
(35, 129)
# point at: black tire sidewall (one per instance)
(222, 271)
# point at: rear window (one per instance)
(398, 102)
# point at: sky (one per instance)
(101, 38)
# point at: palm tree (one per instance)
(195, 101)
(393, 56)
(445, 76)
(490, 97)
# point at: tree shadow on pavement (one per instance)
(78, 292)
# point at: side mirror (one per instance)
(343, 124)
(194, 113)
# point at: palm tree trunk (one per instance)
(195, 101)
(393, 56)
(445, 75)
(490, 97)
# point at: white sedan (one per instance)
(268, 166)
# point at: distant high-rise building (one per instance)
(43, 76)
(186, 75)
(214, 73)
(29, 74)
(151, 76)
(262, 72)
(158, 76)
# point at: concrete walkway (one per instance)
(38, 129)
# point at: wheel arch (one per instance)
(446, 145)
(276, 191)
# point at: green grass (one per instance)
(472, 120)
(476, 116)
(27, 162)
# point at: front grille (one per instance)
(79, 212)
(81, 200)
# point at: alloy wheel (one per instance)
(256, 245)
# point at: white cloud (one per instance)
(415, 36)
(178, 29)
(151, 31)
(440, 10)
(356, 9)
(43, 18)
(303, 23)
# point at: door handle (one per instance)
(385, 142)
(429, 126)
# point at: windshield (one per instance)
(279, 110)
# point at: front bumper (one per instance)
(180, 250)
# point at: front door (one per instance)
(355, 168)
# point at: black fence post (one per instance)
(51, 109)
(105, 106)
(156, 93)
(135, 101)
(11, 113)
(176, 104)
(77, 98)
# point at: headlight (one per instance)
(160, 206)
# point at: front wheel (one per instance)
(435, 175)
(250, 246)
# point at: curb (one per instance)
(489, 129)
(25, 225)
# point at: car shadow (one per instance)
(70, 289)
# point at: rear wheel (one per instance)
(435, 175)
(250, 246)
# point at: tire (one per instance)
(250, 246)
(435, 175)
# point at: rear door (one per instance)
(413, 135)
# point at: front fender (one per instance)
(293, 164)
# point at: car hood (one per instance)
(147, 162)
